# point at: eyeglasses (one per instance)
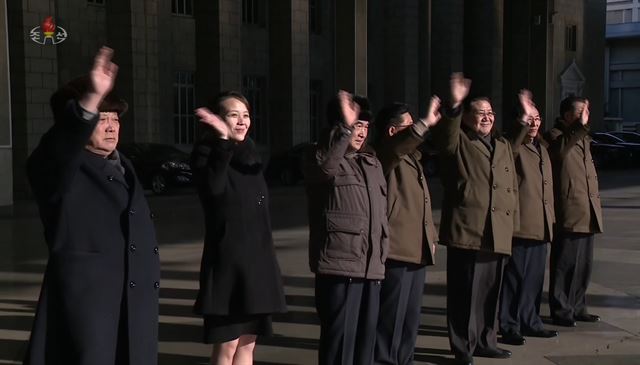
(484, 114)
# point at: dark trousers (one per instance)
(399, 319)
(571, 263)
(522, 286)
(348, 311)
(473, 291)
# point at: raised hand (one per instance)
(528, 107)
(349, 108)
(214, 121)
(459, 88)
(584, 116)
(433, 113)
(102, 76)
(103, 73)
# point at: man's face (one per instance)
(104, 138)
(359, 135)
(236, 116)
(480, 118)
(406, 122)
(574, 115)
(534, 124)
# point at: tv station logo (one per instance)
(48, 31)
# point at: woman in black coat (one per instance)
(240, 283)
(99, 298)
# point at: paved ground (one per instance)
(614, 293)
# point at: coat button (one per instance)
(152, 215)
(506, 169)
(508, 190)
(156, 285)
(493, 166)
(493, 209)
(508, 212)
(546, 182)
(132, 247)
(155, 250)
(110, 178)
(132, 211)
(362, 231)
(426, 200)
(494, 186)
(546, 202)
(132, 284)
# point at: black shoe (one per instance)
(543, 333)
(464, 360)
(512, 338)
(587, 318)
(564, 322)
(496, 353)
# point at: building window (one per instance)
(253, 12)
(570, 37)
(315, 17)
(182, 7)
(254, 89)
(315, 109)
(183, 106)
(96, 2)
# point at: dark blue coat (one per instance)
(100, 290)
(239, 274)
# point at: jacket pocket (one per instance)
(346, 235)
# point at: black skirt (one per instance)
(218, 329)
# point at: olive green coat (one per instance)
(480, 189)
(412, 234)
(577, 199)
(535, 188)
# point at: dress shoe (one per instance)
(496, 353)
(564, 322)
(587, 318)
(543, 333)
(512, 338)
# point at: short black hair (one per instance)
(568, 104)
(390, 115)
(216, 104)
(468, 101)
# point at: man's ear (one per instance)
(392, 130)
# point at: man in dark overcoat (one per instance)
(479, 214)
(99, 299)
(578, 213)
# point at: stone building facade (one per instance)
(289, 57)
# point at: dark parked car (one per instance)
(633, 149)
(158, 166)
(286, 168)
(606, 156)
(628, 137)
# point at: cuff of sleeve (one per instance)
(453, 112)
(345, 129)
(84, 115)
(420, 128)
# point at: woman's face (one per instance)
(236, 115)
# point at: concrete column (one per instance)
(34, 75)
(447, 27)
(351, 45)
(218, 48)
(483, 49)
(6, 147)
(593, 44)
(132, 27)
(289, 73)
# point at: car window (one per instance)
(629, 137)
